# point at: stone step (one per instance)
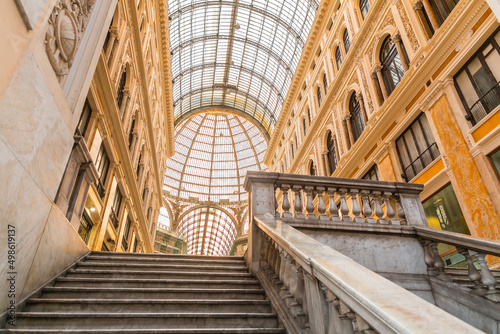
(214, 262)
(147, 305)
(79, 292)
(167, 256)
(159, 266)
(138, 273)
(39, 320)
(156, 283)
(153, 331)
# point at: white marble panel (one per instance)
(25, 206)
(33, 9)
(33, 127)
(59, 247)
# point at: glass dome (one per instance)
(213, 153)
(207, 231)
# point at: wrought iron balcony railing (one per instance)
(486, 104)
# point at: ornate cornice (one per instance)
(163, 35)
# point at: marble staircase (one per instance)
(150, 293)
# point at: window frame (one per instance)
(356, 117)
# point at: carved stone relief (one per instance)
(67, 23)
(407, 24)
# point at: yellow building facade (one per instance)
(401, 91)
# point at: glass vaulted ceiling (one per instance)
(239, 55)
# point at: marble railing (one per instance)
(482, 281)
(316, 289)
(316, 198)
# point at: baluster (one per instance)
(362, 326)
(367, 209)
(473, 273)
(428, 258)
(310, 205)
(389, 211)
(298, 202)
(346, 316)
(438, 262)
(401, 211)
(487, 277)
(378, 208)
(332, 208)
(293, 277)
(276, 207)
(286, 202)
(335, 324)
(299, 295)
(263, 250)
(277, 263)
(344, 209)
(356, 211)
(321, 203)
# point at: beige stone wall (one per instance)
(38, 117)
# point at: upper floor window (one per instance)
(121, 88)
(318, 92)
(304, 126)
(477, 82)
(371, 174)
(416, 148)
(115, 208)
(338, 58)
(325, 83)
(331, 153)
(309, 115)
(347, 41)
(84, 118)
(312, 168)
(392, 68)
(364, 6)
(102, 166)
(131, 133)
(442, 8)
(357, 123)
(292, 151)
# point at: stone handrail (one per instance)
(484, 283)
(316, 289)
(313, 198)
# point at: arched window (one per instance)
(357, 123)
(304, 126)
(312, 168)
(392, 69)
(131, 133)
(332, 155)
(325, 83)
(292, 151)
(347, 41)
(338, 58)
(318, 92)
(364, 6)
(121, 88)
(309, 115)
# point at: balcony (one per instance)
(422, 161)
(486, 104)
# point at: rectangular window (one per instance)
(84, 119)
(115, 208)
(102, 166)
(371, 174)
(477, 83)
(416, 148)
(495, 158)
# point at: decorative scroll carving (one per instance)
(67, 22)
(407, 24)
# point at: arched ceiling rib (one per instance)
(238, 54)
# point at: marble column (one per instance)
(347, 120)
(348, 140)
(380, 99)
(359, 97)
(430, 14)
(396, 39)
(113, 37)
(418, 7)
(378, 71)
(475, 201)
